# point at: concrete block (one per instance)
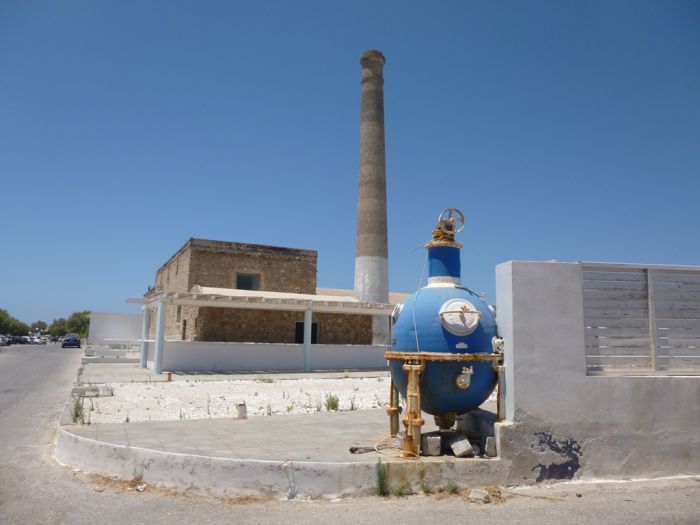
(431, 444)
(93, 391)
(490, 447)
(106, 391)
(479, 496)
(461, 447)
(86, 391)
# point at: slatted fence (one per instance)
(641, 320)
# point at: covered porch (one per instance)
(159, 354)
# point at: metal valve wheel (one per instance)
(451, 221)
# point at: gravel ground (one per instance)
(194, 399)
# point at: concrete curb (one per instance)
(227, 477)
(230, 477)
(110, 359)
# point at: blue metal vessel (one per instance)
(445, 317)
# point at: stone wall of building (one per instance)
(174, 275)
(261, 326)
(264, 326)
(216, 264)
(339, 329)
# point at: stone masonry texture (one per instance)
(216, 264)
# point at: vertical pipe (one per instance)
(413, 420)
(145, 330)
(160, 336)
(501, 399)
(371, 254)
(393, 409)
(308, 323)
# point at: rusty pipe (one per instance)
(413, 420)
(393, 410)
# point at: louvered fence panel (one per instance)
(616, 314)
(677, 312)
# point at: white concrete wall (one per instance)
(206, 356)
(113, 328)
(562, 423)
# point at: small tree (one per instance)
(38, 325)
(12, 326)
(58, 327)
(78, 322)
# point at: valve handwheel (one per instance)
(451, 221)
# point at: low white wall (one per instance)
(189, 356)
(113, 328)
(562, 423)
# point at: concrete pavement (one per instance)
(301, 454)
(34, 489)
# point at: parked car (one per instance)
(25, 340)
(5, 340)
(72, 340)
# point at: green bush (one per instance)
(452, 487)
(403, 490)
(332, 402)
(382, 479)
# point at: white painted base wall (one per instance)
(192, 356)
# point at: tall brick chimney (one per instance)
(371, 253)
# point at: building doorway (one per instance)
(299, 334)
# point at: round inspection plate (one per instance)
(459, 317)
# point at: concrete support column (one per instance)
(308, 324)
(371, 254)
(145, 330)
(160, 337)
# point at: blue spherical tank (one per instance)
(445, 317)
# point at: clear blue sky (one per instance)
(564, 130)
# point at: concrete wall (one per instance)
(564, 424)
(113, 328)
(191, 356)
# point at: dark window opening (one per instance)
(248, 281)
(299, 334)
(184, 330)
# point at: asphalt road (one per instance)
(35, 489)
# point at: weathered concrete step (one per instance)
(306, 454)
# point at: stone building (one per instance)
(202, 263)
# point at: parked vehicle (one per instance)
(25, 340)
(5, 340)
(71, 340)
